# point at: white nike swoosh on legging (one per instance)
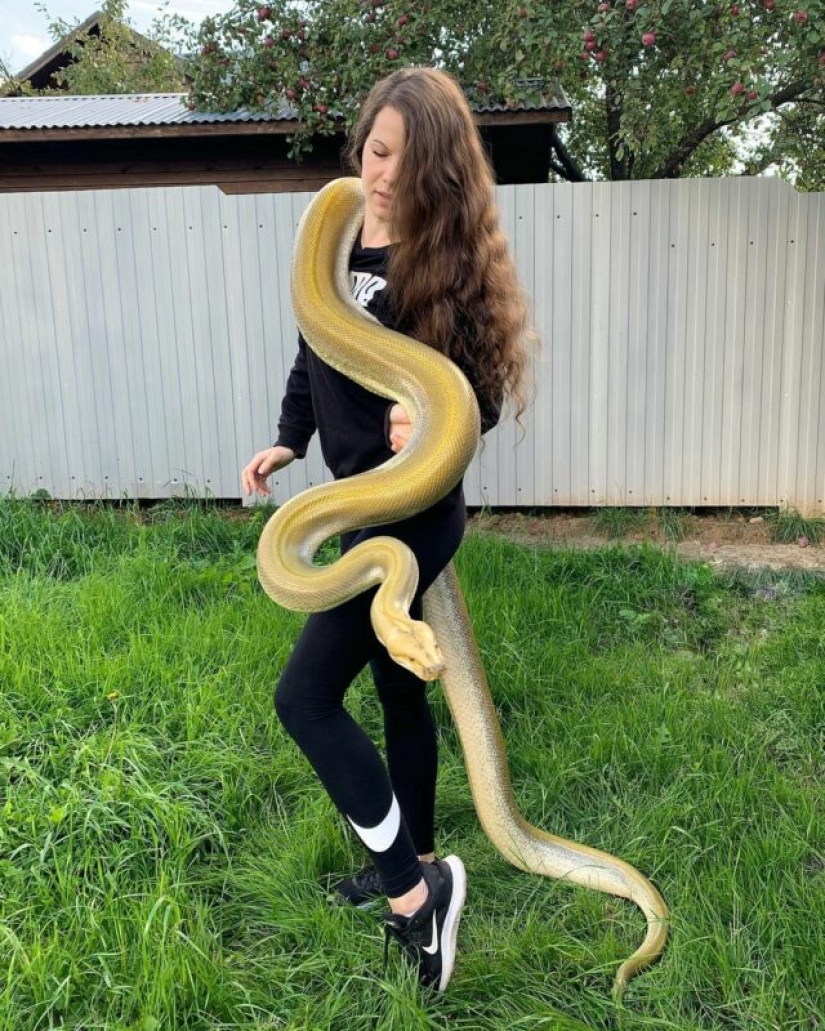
(432, 948)
(382, 835)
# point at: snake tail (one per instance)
(465, 687)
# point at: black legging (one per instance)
(332, 649)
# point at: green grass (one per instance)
(162, 842)
(787, 526)
(673, 523)
(618, 522)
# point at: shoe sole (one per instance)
(449, 932)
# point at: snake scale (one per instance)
(445, 419)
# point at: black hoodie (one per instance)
(352, 422)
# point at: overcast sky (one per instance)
(24, 29)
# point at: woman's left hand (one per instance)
(399, 428)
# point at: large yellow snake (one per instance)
(445, 434)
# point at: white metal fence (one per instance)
(146, 336)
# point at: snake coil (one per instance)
(445, 434)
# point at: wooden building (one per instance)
(140, 140)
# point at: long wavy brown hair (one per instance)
(452, 283)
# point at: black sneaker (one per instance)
(428, 937)
(361, 889)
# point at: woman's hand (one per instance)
(399, 428)
(254, 475)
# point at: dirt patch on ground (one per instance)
(725, 541)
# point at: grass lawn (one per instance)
(163, 844)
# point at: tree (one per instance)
(116, 59)
(659, 88)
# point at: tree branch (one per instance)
(557, 168)
(618, 169)
(669, 169)
(790, 92)
(810, 102)
(568, 168)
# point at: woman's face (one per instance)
(380, 162)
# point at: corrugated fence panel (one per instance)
(147, 336)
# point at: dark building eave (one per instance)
(270, 128)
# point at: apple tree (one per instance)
(659, 88)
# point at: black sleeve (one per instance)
(297, 422)
(490, 411)
(489, 408)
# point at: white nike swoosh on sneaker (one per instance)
(432, 948)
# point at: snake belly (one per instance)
(444, 414)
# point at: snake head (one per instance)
(411, 643)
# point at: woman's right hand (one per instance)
(254, 475)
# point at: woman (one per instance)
(433, 263)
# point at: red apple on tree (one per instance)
(392, 54)
(631, 4)
(737, 88)
(800, 17)
(648, 39)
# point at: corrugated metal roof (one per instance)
(125, 109)
(162, 109)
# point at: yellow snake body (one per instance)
(444, 413)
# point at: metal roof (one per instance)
(125, 109)
(133, 109)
